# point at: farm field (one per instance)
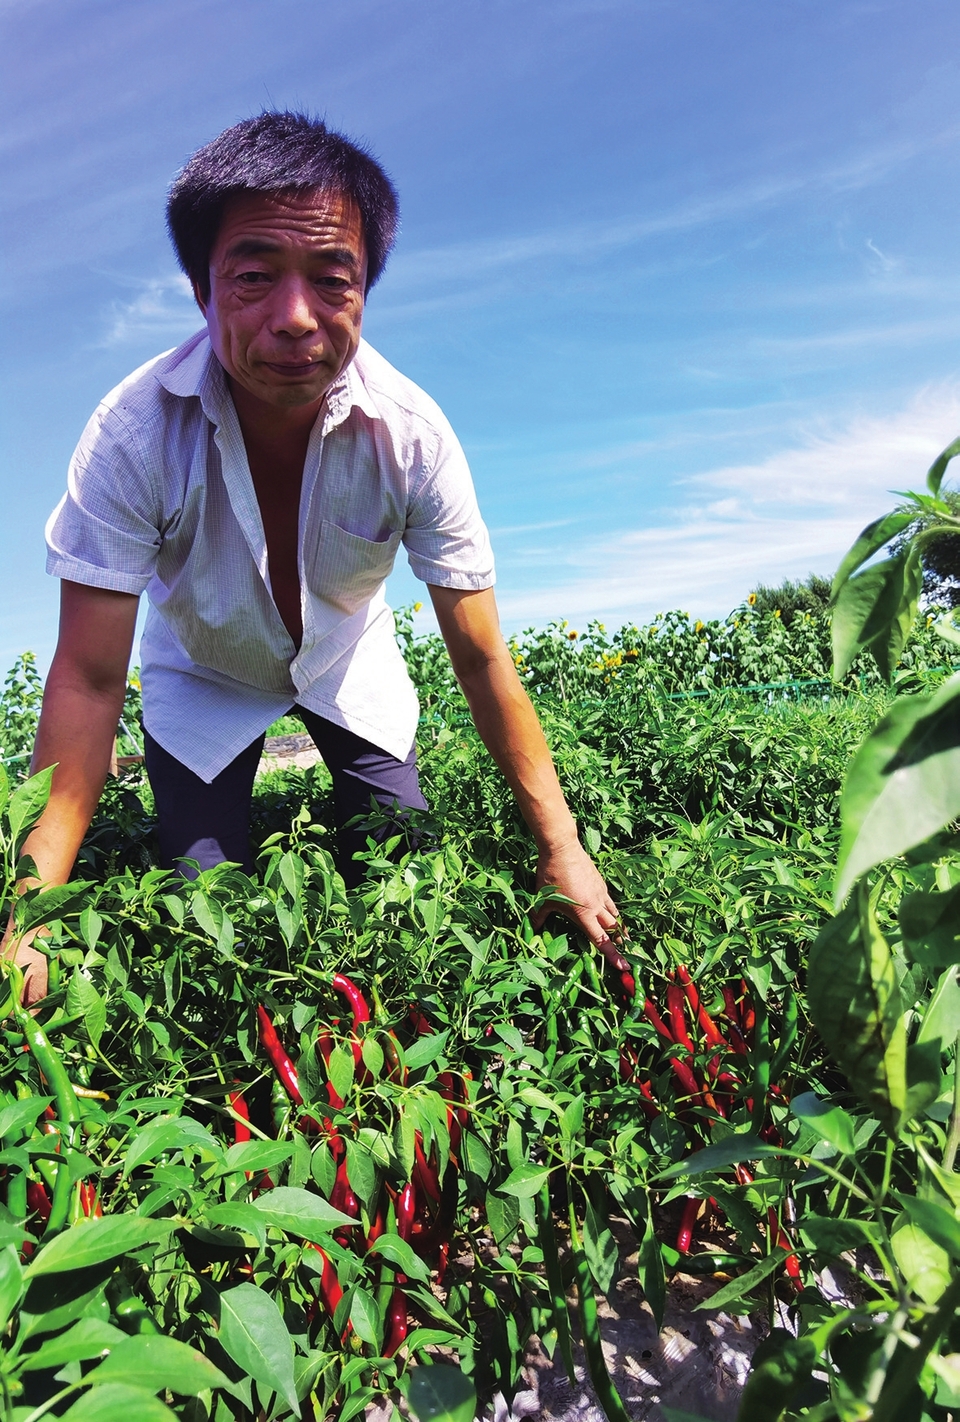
(268, 1142)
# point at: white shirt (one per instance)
(160, 499)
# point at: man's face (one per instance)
(287, 277)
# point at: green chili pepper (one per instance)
(761, 1066)
(788, 1033)
(603, 1385)
(68, 1108)
(551, 1263)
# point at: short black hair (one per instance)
(277, 152)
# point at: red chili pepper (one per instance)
(791, 1264)
(420, 1022)
(654, 1018)
(356, 999)
(648, 1104)
(396, 1323)
(397, 1072)
(425, 1172)
(406, 1203)
(38, 1201)
(89, 1203)
(628, 1066)
(281, 1063)
(686, 1079)
(678, 1017)
(733, 1016)
(687, 1222)
(241, 1128)
(629, 984)
(329, 1285)
(711, 1031)
(747, 1015)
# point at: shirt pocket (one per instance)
(349, 570)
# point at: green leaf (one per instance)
(836, 1236)
(830, 1122)
(424, 1050)
(397, 1251)
(34, 908)
(4, 786)
(734, 1150)
(902, 785)
(118, 1402)
(745, 1284)
(503, 1216)
(19, 1116)
(436, 1392)
(855, 1004)
(301, 1212)
(525, 1181)
(165, 1134)
(292, 871)
(27, 804)
(941, 1021)
(939, 467)
(84, 1001)
(88, 1338)
(875, 610)
(925, 1266)
(941, 1226)
(95, 1241)
(652, 1278)
(157, 1363)
(253, 1334)
(91, 926)
(341, 1070)
(11, 1283)
(930, 925)
(361, 1171)
(255, 1156)
(476, 1157)
(365, 1317)
(235, 1214)
(372, 1054)
(600, 1249)
(870, 541)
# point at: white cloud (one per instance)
(793, 513)
(162, 307)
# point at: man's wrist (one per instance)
(558, 838)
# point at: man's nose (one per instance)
(293, 313)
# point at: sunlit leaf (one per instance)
(903, 785)
(254, 1335)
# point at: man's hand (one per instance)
(508, 725)
(573, 872)
(31, 962)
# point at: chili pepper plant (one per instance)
(272, 1148)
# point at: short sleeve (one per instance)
(445, 537)
(105, 532)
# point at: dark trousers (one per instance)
(211, 823)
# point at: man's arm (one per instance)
(82, 702)
(509, 728)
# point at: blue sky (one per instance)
(684, 275)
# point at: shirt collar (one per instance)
(193, 370)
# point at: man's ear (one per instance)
(197, 297)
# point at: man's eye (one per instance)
(333, 283)
(252, 278)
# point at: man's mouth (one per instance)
(293, 368)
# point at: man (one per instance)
(256, 483)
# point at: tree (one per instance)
(812, 595)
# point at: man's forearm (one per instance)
(509, 728)
(76, 734)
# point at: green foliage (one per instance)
(706, 766)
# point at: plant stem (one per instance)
(892, 1399)
(953, 1135)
